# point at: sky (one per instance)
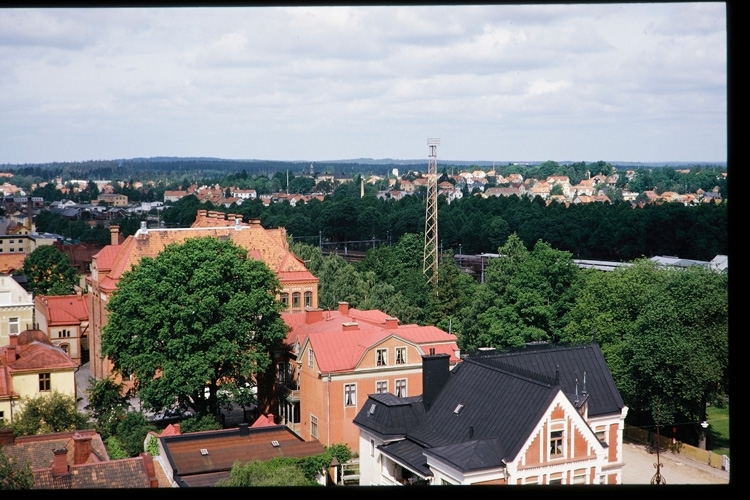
(613, 82)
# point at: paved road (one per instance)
(639, 468)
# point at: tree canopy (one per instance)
(47, 413)
(49, 272)
(199, 317)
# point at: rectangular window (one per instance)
(350, 395)
(44, 382)
(401, 355)
(308, 299)
(381, 386)
(2, 418)
(381, 357)
(556, 444)
(401, 388)
(14, 325)
(310, 358)
(314, 426)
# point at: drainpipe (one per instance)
(328, 424)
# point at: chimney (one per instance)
(60, 464)
(144, 227)
(435, 373)
(176, 427)
(114, 235)
(270, 418)
(313, 315)
(148, 464)
(391, 323)
(6, 437)
(81, 448)
(344, 308)
(349, 326)
(244, 431)
(13, 338)
(237, 224)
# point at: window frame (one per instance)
(381, 356)
(14, 321)
(400, 355)
(284, 299)
(381, 386)
(556, 443)
(401, 384)
(45, 382)
(350, 395)
(310, 358)
(296, 300)
(313, 426)
(308, 299)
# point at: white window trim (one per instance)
(406, 388)
(384, 352)
(404, 350)
(554, 427)
(353, 394)
(313, 419)
(383, 383)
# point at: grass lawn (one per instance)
(718, 430)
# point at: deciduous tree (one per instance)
(199, 316)
(49, 272)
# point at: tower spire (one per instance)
(430, 266)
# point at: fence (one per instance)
(678, 447)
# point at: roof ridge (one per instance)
(520, 372)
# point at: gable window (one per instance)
(314, 426)
(310, 358)
(556, 441)
(350, 394)
(295, 300)
(44, 382)
(401, 355)
(401, 388)
(381, 386)
(308, 299)
(14, 325)
(381, 357)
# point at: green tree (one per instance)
(275, 472)
(49, 272)
(108, 403)
(14, 475)
(198, 316)
(47, 413)
(131, 432)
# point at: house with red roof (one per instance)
(65, 320)
(299, 288)
(29, 366)
(77, 460)
(339, 357)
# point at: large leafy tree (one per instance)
(47, 413)
(198, 317)
(49, 272)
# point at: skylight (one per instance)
(458, 409)
(204, 452)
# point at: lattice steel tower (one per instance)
(430, 266)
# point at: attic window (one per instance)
(458, 409)
(275, 443)
(204, 452)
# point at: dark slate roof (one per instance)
(392, 417)
(496, 405)
(573, 361)
(472, 455)
(408, 454)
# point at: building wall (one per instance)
(326, 399)
(27, 384)
(15, 303)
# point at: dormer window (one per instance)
(381, 357)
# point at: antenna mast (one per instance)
(430, 266)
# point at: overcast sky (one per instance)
(619, 82)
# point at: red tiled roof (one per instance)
(64, 309)
(38, 356)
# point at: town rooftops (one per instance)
(204, 458)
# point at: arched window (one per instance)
(285, 299)
(308, 299)
(295, 300)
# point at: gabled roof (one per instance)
(64, 309)
(128, 473)
(36, 450)
(36, 356)
(341, 339)
(492, 404)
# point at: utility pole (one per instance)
(430, 265)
